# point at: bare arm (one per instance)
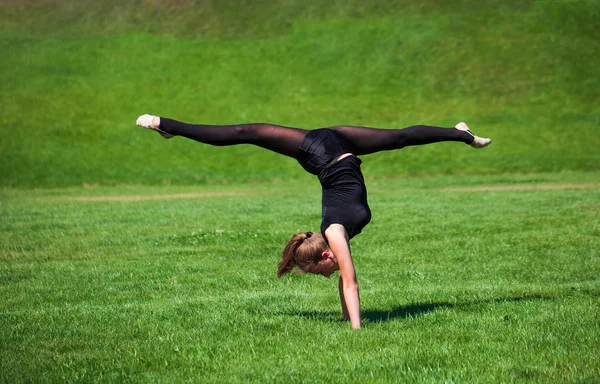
(338, 242)
(345, 315)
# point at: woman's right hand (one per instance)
(349, 296)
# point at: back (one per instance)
(344, 196)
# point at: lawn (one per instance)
(462, 279)
(128, 258)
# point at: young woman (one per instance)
(331, 154)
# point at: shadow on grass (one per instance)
(410, 310)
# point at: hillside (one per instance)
(75, 76)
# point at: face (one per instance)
(329, 264)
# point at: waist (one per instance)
(334, 162)
(343, 170)
(343, 156)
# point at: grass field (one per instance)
(178, 283)
(128, 258)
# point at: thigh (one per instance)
(370, 140)
(283, 140)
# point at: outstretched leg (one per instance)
(371, 140)
(283, 140)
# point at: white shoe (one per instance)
(478, 142)
(147, 121)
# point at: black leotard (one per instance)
(344, 193)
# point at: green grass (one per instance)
(125, 257)
(75, 76)
(497, 286)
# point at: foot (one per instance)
(153, 123)
(478, 142)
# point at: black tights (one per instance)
(286, 140)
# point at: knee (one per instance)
(245, 132)
(240, 130)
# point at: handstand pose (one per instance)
(331, 154)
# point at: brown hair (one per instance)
(303, 251)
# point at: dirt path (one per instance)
(200, 195)
(153, 197)
(523, 187)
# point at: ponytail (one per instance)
(303, 251)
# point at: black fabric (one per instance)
(283, 140)
(322, 146)
(344, 199)
(370, 140)
(287, 141)
(344, 193)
